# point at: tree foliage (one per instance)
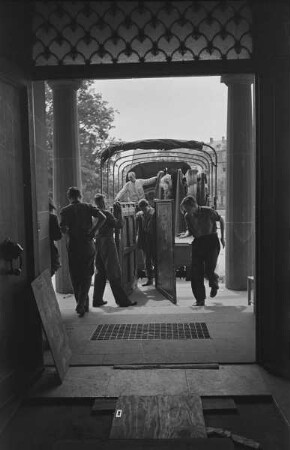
(96, 120)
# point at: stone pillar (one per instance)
(240, 203)
(66, 159)
(272, 52)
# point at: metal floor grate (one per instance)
(190, 330)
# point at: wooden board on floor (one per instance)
(158, 417)
(150, 444)
(104, 404)
(52, 322)
(212, 404)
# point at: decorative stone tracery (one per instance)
(87, 33)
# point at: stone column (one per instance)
(240, 203)
(66, 159)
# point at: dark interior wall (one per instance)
(16, 32)
(20, 331)
(11, 214)
(19, 321)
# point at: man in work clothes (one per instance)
(76, 223)
(133, 190)
(201, 224)
(146, 237)
(54, 235)
(106, 260)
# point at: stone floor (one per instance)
(60, 417)
(231, 323)
(229, 318)
(106, 381)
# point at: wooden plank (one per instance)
(127, 248)
(52, 322)
(104, 405)
(179, 196)
(165, 270)
(218, 404)
(158, 417)
(212, 366)
(150, 444)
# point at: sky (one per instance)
(177, 108)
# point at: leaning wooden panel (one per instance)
(52, 322)
(127, 248)
(158, 417)
(179, 196)
(165, 268)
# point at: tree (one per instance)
(96, 119)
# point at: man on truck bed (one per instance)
(133, 190)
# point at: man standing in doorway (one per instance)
(201, 224)
(76, 223)
(133, 190)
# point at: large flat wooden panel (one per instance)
(150, 444)
(126, 243)
(52, 322)
(158, 417)
(165, 269)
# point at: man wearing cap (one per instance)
(76, 223)
(201, 224)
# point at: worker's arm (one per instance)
(222, 222)
(63, 223)
(151, 180)
(119, 222)
(54, 228)
(101, 219)
(122, 193)
(187, 233)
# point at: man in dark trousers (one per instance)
(76, 223)
(201, 224)
(146, 237)
(54, 235)
(106, 260)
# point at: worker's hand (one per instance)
(117, 209)
(223, 242)
(184, 235)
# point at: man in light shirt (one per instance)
(133, 190)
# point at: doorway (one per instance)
(230, 319)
